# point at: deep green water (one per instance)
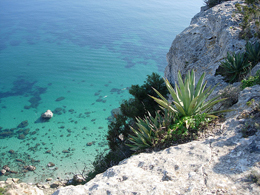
(85, 52)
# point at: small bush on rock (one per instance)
(138, 106)
(251, 81)
(212, 3)
(253, 52)
(235, 67)
(151, 131)
(184, 116)
(119, 128)
(189, 99)
(2, 191)
(250, 22)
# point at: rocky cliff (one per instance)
(227, 160)
(201, 46)
(223, 163)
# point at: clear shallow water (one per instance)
(87, 52)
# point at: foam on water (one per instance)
(76, 58)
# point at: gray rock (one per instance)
(50, 164)
(217, 165)
(47, 115)
(201, 46)
(2, 172)
(254, 70)
(30, 168)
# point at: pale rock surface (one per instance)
(254, 70)
(47, 115)
(217, 165)
(14, 188)
(201, 46)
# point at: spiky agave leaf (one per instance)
(235, 66)
(150, 129)
(253, 52)
(188, 98)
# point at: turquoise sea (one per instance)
(76, 58)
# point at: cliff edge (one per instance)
(225, 162)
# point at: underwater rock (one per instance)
(47, 115)
(27, 107)
(50, 164)
(19, 160)
(6, 133)
(89, 143)
(2, 172)
(99, 100)
(58, 111)
(23, 124)
(35, 101)
(26, 131)
(49, 179)
(30, 168)
(65, 151)
(11, 151)
(14, 172)
(71, 110)
(59, 99)
(21, 136)
(5, 167)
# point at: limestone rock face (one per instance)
(220, 164)
(12, 187)
(201, 46)
(47, 115)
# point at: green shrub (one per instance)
(250, 23)
(119, 127)
(161, 131)
(2, 190)
(235, 67)
(253, 52)
(251, 81)
(138, 106)
(179, 120)
(189, 98)
(212, 3)
(141, 104)
(151, 131)
(251, 1)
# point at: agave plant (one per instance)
(189, 99)
(235, 66)
(151, 130)
(253, 52)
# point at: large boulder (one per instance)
(47, 115)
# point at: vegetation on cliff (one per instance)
(144, 123)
